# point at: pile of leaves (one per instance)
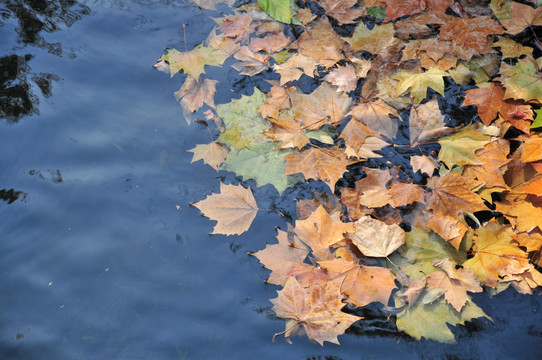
(463, 215)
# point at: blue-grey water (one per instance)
(101, 256)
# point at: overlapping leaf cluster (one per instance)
(418, 247)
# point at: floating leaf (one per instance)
(234, 209)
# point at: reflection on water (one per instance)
(37, 16)
(29, 19)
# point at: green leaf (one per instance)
(422, 248)
(262, 163)
(522, 81)
(431, 320)
(244, 124)
(378, 12)
(538, 120)
(459, 149)
(418, 83)
(277, 9)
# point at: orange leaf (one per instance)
(315, 310)
(495, 256)
(362, 284)
(327, 165)
(282, 257)
(320, 231)
(454, 282)
(453, 193)
(234, 209)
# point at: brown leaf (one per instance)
(362, 284)
(327, 165)
(236, 26)
(297, 65)
(212, 154)
(315, 310)
(320, 231)
(454, 282)
(423, 163)
(471, 33)
(323, 106)
(399, 8)
(341, 10)
(522, 16)
(234, 209)
(489, 101)
(344, 77)
(251, 63)
(194, 93)
(270, 43)
(532, 149)
(427, 122)
(449, 228)
(405, 194)
(374, 188)
(376, 115)
(322, 43)
(453, 193)
(495, 256)
(289, 132)
(282, 257)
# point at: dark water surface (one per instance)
(96, 261)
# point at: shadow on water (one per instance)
(29, 19)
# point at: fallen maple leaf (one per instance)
(194, 93)
(282, 257)
(449, 228)
(453, 193)
(375, 238)
(460, 148)
(418, 83)
(427, 122)
(521, 17)
(194, 61)
(522, 81)
(234, 209)
(327, 165)
(341, 10)
(322, 43)
(212, 154)
(495, 256)
(454, 282)
(399, 8)
(362, 284)
(270, 43)
(320, 231)
(376, 115)
(323, 106)
(314, 310)
(236, 26)
(296, 65)
(343, 77)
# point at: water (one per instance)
(96, 259)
